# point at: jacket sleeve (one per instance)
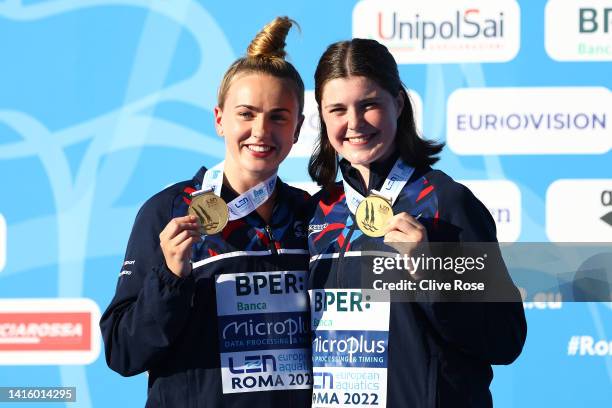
(491, 331)
(151, 305)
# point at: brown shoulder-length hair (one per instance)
(370, 59)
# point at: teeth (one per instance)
(358, 139)
(259, 149)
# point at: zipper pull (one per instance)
(271, 239)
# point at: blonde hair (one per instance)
(266, 55)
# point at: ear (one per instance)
(296, 136)
(399, 103)
(218, 115)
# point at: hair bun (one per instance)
(270, 41)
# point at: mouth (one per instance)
(358, 140)
(260, 150)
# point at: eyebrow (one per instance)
(333, 105)
(253, 108)
(361, 101)
(371, 99)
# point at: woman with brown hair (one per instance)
(379, 352)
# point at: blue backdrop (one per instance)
(105, 102)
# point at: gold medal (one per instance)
(212, 212)
(373, 215)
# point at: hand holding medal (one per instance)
(176, 241)
(405, 234)
(375, 218)
(405, 228)
(374, 213)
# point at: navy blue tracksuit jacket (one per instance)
(404, 354)
(233, 333)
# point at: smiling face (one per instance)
(260, 121)
(361, 119)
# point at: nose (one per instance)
(354, 119)
(260, 127)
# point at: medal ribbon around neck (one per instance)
(211, 209)
(373, 212)
(245, 203)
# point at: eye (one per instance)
(245, 114)
(337, 110)
(279, 117)
(370, 105)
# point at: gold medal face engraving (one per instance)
(373, 215)
(212, 212)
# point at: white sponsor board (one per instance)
(266, 370)
(264, 335)
(503, 200)
(578, 30)
(359, 387)
(309, 133)
(499, 121)
(445, 31)
(350, 347)
(334, 309)
(49, 331)
(577, 210)
(417, 109)
(261, 292)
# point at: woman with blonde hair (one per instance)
(211, 298)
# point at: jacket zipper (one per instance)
(272, 246)
(347, 240)
(272, 242)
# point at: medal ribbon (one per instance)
(391, 188)
(245, 203)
